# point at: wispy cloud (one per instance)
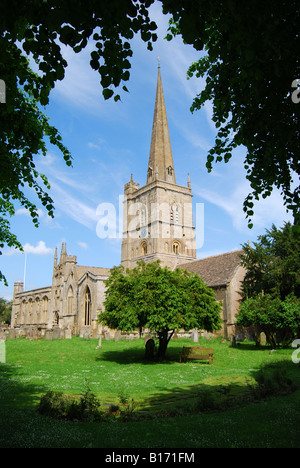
(73, 207)
(83, 245)
(266, 211)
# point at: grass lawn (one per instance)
(34, 367)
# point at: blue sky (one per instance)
(108, 142)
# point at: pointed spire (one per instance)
(55, 257)
(160, 158)
(63, 253)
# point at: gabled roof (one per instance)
(217, 270)
(97, 271)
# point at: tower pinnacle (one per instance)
(161, 164)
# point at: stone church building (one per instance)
(157, 224)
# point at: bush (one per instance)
(206, 401)
(59, 406)
(127, 406)
(55, 405)
(272, 382)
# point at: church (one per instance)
(157, 225)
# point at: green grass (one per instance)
(34, 367)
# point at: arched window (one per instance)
(23, 311)
(37, 309)
(176, 248)
(45, 309)
(144, 248)
(170, 170)
(70, 301)
(29, 316)
(87, 307)
(56, 318)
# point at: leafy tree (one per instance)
(5, 310)
(279, 320)
(271, 287)
(251, 66)
(273, 264)
(159, 299)
(36, 29)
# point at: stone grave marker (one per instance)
(149, 348)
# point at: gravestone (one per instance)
(117, 335)
(48, 335)
(149, 349)
(12, 335)
(233, 341)
(107, 336)
(263, 339)
(195, 336)
(68, 334)
(56, 334)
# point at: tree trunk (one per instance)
(163, 343)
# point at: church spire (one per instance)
(161, 164)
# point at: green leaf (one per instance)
(107, 93)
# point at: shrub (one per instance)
(272, 382)
(55, 405)
(127, 406)
(206, 401)
(59, 406)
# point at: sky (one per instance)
(109, 141)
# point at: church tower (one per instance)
(158, 217)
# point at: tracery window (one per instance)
(87, 307)
(144, 248)
(176, 247)
(70, 301)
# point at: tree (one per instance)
(252, 70)
(271, 286)
(37, 29)
(273, 264)
(250, 66)
(159, 299)
(278, 319)
(5, 310)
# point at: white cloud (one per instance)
(83, 245)
(26, 212)
(39, 249)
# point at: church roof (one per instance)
(160, 158)
(97, 271)
(217, 270)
